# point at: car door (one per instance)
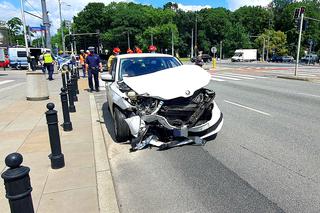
(110, 92)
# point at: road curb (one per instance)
(106, 191)
(294, 78)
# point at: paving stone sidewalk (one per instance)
(85, 183)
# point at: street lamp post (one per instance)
(25, 33)
(61, 28)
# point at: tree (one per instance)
(277, 42)
(171, 6)
(254, 19)
(15, 29)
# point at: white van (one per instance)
(245, 55)
(18, 56)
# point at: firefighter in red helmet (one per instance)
(116, 51)
(137, 49)
(152, 49)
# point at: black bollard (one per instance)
(63, 76)
(74, 89)
(76, 83)
(78, 73)
(56, 156)
(72, 72)
(67, 125)
(72, 108)
(67, 75)
(17, 184)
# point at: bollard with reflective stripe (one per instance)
(56, 156)
(17, 184)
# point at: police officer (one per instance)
(48, 61)
(93, 65)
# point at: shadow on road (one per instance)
(108, 122)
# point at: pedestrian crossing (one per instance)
(225, 76)
(6, 85)
(302, 73)
(5, 81)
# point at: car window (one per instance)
(113, 67)
(130, 67)
(22, 54)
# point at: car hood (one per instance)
(181, 81)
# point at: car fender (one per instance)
(117, 98)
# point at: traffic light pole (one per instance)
(299, 44)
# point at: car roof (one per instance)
(143, 55)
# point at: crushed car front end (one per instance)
(193, 118)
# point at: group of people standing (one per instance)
(90, 63)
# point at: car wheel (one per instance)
(121, 128)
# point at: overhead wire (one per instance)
(33, 8)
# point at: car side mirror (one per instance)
(107, 77)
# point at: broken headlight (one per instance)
(146, 105)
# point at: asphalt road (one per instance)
(265, 159)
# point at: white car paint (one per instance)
(181, 81)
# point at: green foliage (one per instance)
(235, 29)
(15, 31)
(277, 42)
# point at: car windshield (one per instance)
(130, 67)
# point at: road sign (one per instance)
(35, 29)
(67, 23)
(214, 50)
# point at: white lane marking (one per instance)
(11, 87)
(249, 108)
(250, 76)
(216, 79)
(102, 85)
(302, 74)
(306, 94)
(229, 78)
(6, 81)
(238, 76)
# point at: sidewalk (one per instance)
(85, 183)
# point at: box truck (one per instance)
(245, 55)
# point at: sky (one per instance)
(11, 8)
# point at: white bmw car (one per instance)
(155, 99)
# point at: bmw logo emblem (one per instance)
(187, 92)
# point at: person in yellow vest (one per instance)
(48, 61)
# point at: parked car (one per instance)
(205, 57)
(275, 58)
(287, 59)
(154, 99)
(5, 63)
(310, 59)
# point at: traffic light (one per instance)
(302, 9)
(297, 13)
(305, 25)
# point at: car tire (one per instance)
(121, 128)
